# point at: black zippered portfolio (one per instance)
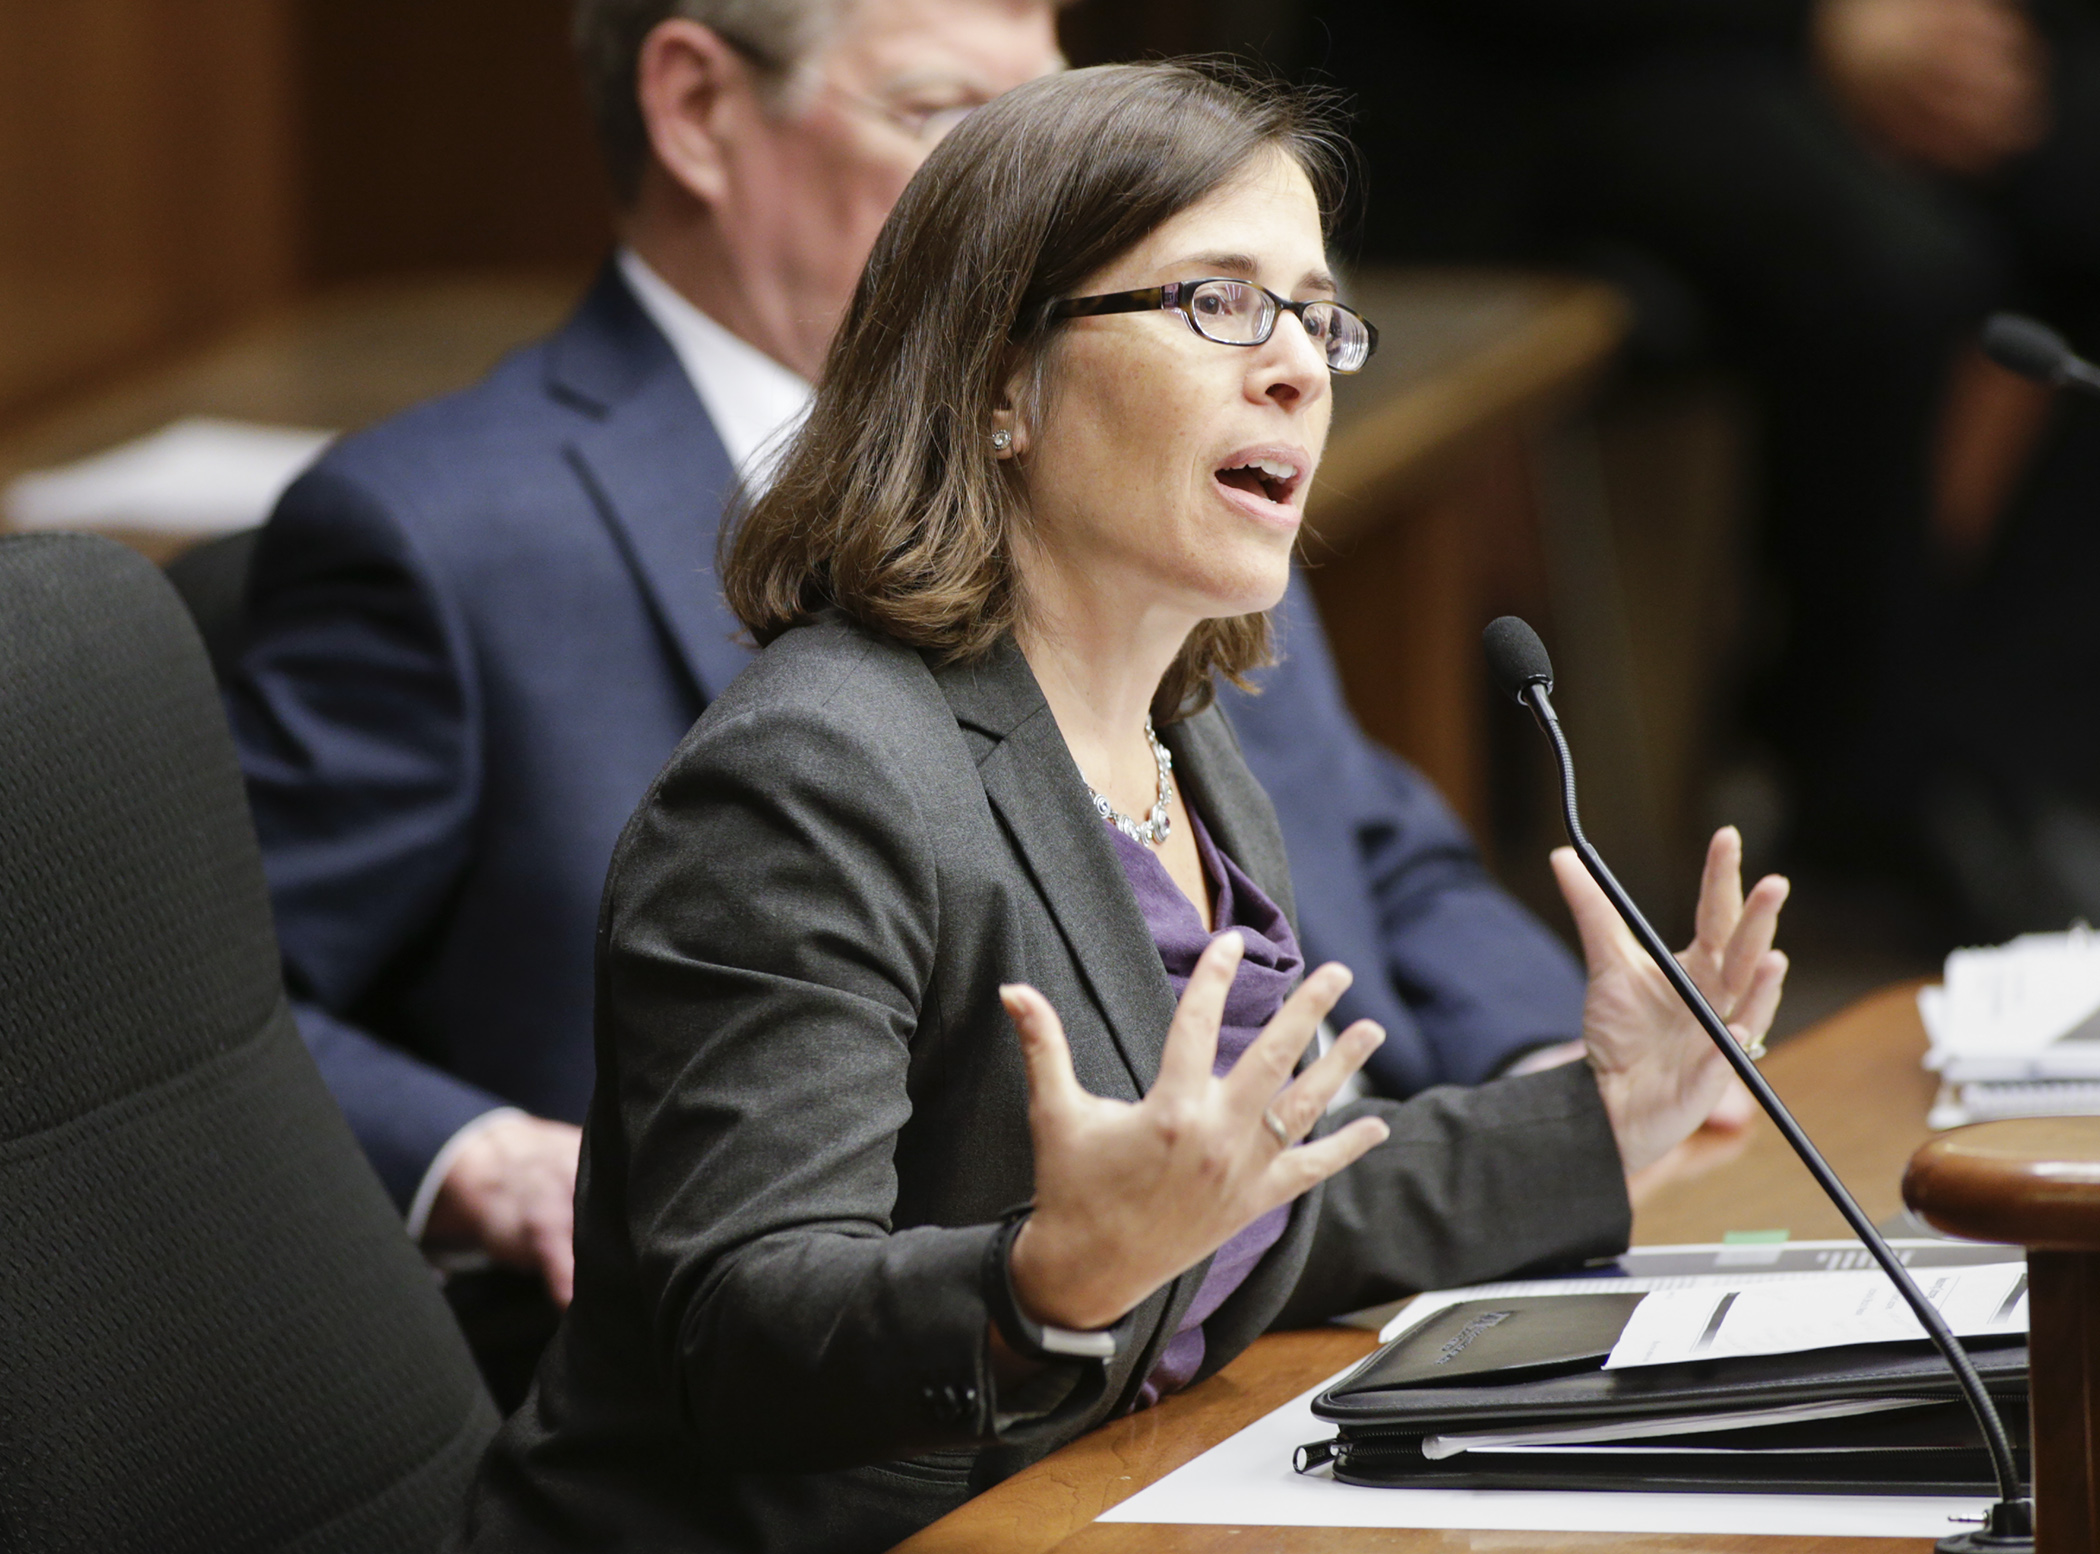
(1437, 1408)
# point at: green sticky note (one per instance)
(1753, 1237)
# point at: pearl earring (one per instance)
(1002, 440)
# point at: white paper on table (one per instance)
(1824, 1312)
(1740, 1266)
(1990, 1100)
(1248, 1481)
(2027, 1009)
(193, 476)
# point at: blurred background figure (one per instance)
(1831, 194)
(474, 632)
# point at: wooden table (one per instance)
(336, 362)
(1856, 1085)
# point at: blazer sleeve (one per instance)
(768, 941)
(1519, 1175)
(352, 711)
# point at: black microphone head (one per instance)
(2027, 346)
(1516, 657)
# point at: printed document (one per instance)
(1823, 1312)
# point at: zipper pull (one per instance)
(1316, 1454)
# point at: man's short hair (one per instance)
(774, 35)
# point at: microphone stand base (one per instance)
(2009, 1530)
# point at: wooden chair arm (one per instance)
(2034, 1182)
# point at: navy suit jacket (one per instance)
(479, 629)
(1461, 976)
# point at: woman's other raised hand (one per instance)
(1127, 1195)
(1658, 1071)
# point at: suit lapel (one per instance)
(1038, 793)
(657, 470)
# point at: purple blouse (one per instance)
(1267, 973)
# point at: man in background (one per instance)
(477, 630)
(1831, 194)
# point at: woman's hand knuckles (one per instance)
(1215, 1160)
(1176, 1120)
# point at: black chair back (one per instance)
(214, 1336)
(212, 579)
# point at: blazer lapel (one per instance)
(1037, 791)
(657, 469)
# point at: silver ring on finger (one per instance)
(1753, 1050)
(1277, 1130)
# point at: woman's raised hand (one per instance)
(1128, 1196)
(1658, 1071)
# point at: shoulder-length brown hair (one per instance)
(889, 505)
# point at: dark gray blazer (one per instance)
(811, 1110)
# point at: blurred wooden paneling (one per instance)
(337, 362)
(168, 170)
(146, 170)
(1423, 523)
(1100, 32)
(1097, 32)
(442, 137)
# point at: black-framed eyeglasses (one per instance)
(1234, 312)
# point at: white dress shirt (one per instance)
(755, 403)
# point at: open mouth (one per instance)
(1273, 480)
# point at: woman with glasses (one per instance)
(957, 1087)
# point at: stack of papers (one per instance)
(1701, 1274)
(1824, 1311)
(2015, 1030)
(1249, 1479)
(193, 477)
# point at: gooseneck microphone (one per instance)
(2034, 350)
(1517, 659)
